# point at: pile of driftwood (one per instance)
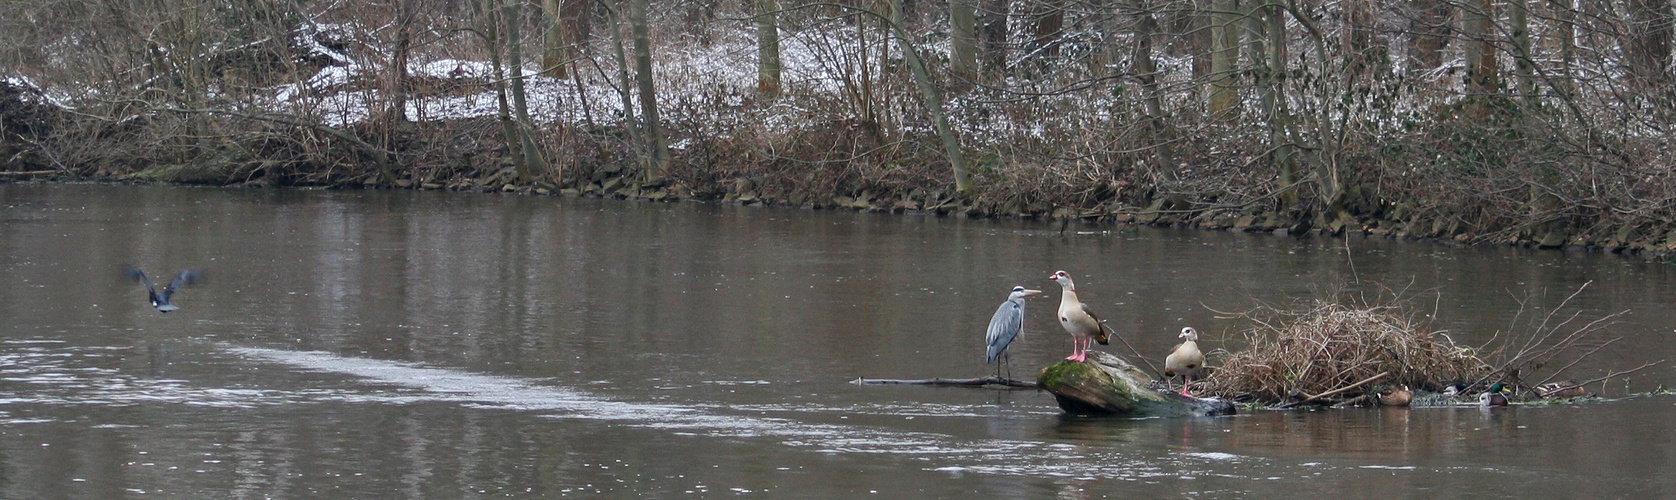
(1339, 351)
(1329, 351)
(1325, 352)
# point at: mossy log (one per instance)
(1108, 385)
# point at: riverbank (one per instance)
(1384, 154)
(617, 185)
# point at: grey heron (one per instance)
(1077, 319)
(1005, 325)
(160, 300)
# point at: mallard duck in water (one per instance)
(1495, 397)
(1562, 389)
(1396, 396)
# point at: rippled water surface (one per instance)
(438, 345)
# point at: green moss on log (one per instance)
(1108, 385)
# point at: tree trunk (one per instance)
(1049, 27)
(1274, 105)
(1109, 53)
(520, 100)
(398, 68)
(1363, 48)
(992, 34)
(554, 59)
(1427, 36)
(1565, 20)
(1145, 69)
(509, 130)
(933, 101)
(1196, 41)
(659, 153)
(1108, 385)
(1647, 51)
(963, 44)
(1478, 22)
(1224, 55)
(1518, 14)
(768, 48)
(566, 35)
(631, 125)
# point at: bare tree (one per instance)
(514, 16)
(768, 48)
(491, 16)
(1647, 45)
(1428, 34)
(963, 44)
(1483, 75)
(657, 151)
(1224, 54)
(992, 36)
(566, 34)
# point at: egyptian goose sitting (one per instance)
(1185, 360)
(1396, 396)
(1077, 319)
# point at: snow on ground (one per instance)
(26, 82)
(696, 78)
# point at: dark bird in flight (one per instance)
(160, 300)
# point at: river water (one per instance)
(376, 344)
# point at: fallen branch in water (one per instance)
(1323, 395)
(1602, 378)
(1557, 331)
(951, 382)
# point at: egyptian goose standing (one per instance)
(1185, 360)
(1077, 319)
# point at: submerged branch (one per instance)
(1333, 392)
(947, 382)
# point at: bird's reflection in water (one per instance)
(157, 359)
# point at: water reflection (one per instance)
(432, 344)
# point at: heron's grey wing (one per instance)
(137, 275)
(184, 277)
(1003, 327)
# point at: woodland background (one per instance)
(1539, 122)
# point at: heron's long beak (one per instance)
(1029, 292)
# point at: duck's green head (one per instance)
(1498, 388)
